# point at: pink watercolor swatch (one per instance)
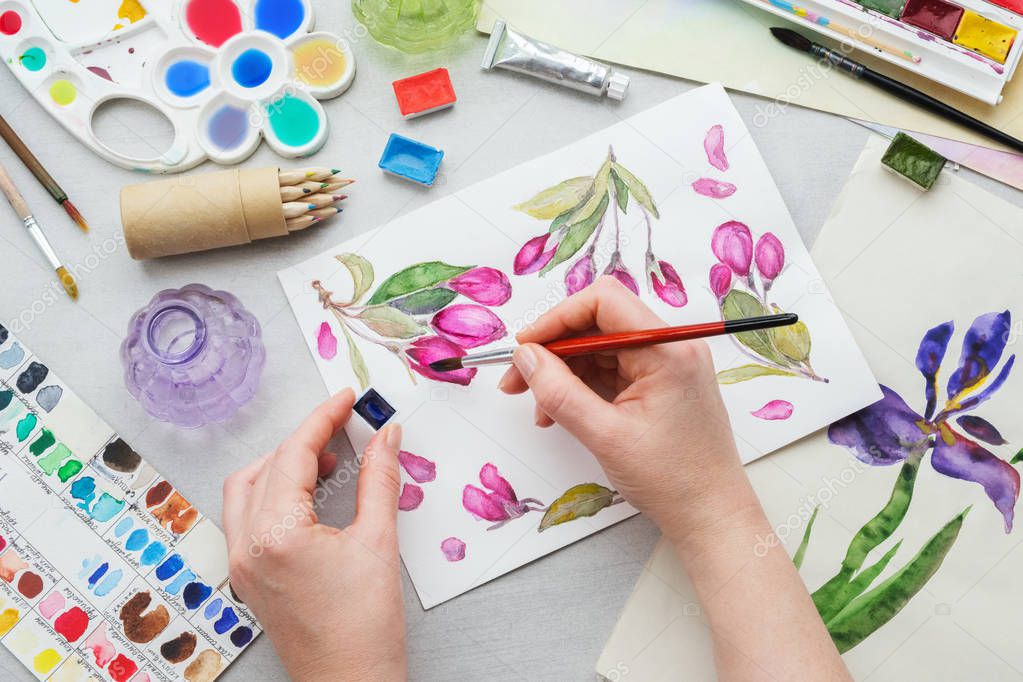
(715, 189)
(776, 410)
(326, 342)
(453, 549)
(714, 145)
(419, 468)
(53, 603)
(411, 497)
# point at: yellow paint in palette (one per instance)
(319, 63)
(63, 92)
(8, 619)
(984, 36)
(45, 661)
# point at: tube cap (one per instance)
(617, 86)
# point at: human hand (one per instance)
(652, 416)
(330, 599)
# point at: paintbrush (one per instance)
(21, 208)
(44, 178)
(859, 71)
(585, 345)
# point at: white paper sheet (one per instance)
(102, 560)
(461, 429)
(899, 263)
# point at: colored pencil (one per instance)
(300, 223)
(800, 42)
(20, 207)
(293, 177)
(45, 179)
(586, 345)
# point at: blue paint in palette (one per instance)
(228, 127)
(98, 573)
(109, 583)
(228, 620)
(123, 526)
(411, 160)
(187, 77)
(137, 540)
(213, 608)
(241, 636)
(280, 17)
(251, 68)
(169, 568)
(185, 577)
(195, 594)
(153, 554)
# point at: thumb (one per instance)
(560, 394)
(379, 481)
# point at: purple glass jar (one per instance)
(193, 356)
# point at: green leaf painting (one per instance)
(421, 314)
(577, 502)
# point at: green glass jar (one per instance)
(415, 25)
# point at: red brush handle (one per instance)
(649, 337)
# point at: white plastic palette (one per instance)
(224, 74)
(941, 61)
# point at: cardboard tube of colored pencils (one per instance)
(201, 212)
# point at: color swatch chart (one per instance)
(107, 572)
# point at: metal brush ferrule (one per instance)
(493, 357)
(37, 234)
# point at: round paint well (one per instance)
(10, 22)
(280, 17)
(293, 121)
(319, 63)
(251, 68)
(213, 21)
(33, 59)
(63, 92)
(186, 78)
(228, 127)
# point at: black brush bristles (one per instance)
(794, 40)
(447, 365)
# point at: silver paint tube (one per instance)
(509, 49)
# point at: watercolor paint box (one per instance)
(972, 46)
(424, 93)
(411, 160)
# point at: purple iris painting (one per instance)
(891, 432)
(419, 314)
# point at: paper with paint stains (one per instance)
(697, 196)
(962, 624)
(107, 571)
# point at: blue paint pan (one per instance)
(411, 160)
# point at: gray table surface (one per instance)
(545, 621)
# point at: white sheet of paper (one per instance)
(461, 429)
(899, 263)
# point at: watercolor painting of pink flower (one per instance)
(415, 314)
(421, 470)
(714, 147)
(585, 212)
(742, 280)
(892, 433)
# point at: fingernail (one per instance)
(503, 382)
(394, 436)
(525, 361)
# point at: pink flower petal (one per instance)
(714, 145)
(491, 479)
(770, 256)
(481, 505)
(411, 497)
(715, 189)
(532, 257)
(732, 244)
(326, 342)
(430, 349)
(469, 325)
(720, 280)
(671, 290)
(488, 286)
(776, 410)
(419, 468)
(453, 549)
